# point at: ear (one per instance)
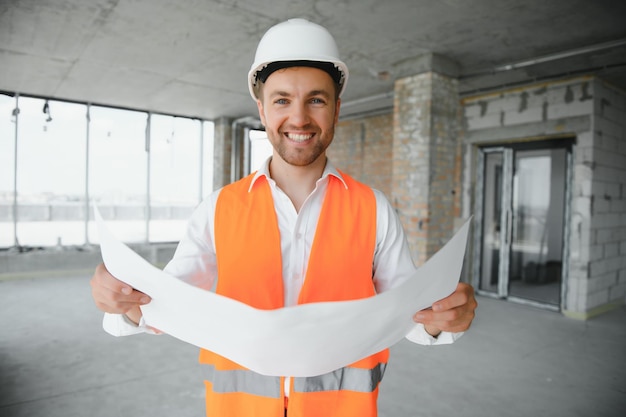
(337, 107)
(259, 105)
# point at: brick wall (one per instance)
(607, 194)
(426, 160)
(363, 148)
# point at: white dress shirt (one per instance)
(195, 263)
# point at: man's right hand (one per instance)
(114, 296)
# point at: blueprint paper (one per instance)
(304, 340)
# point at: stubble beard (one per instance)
(301, 156)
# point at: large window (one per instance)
(50, 173)
(7, 169)
(260, 149)
(175, 168)
(118, 171)
(145, 172)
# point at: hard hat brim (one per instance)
(256, 67)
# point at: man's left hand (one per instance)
(451, 314)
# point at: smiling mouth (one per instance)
(299, 137)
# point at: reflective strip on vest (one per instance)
(243, 381)
(349, 379)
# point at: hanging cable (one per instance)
(46, 111)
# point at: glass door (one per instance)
(522, 197)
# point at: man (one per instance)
(297, 231)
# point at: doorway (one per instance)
(522, 196)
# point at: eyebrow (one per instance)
(279, 93)
(312, 93)
(324, 93)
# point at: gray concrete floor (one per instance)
(55, 360)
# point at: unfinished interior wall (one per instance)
(426, 160)
(605, 189)
(595, 115)
(363, 149)
(222, 152)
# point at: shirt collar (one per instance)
(264, 171)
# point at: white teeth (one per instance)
(298, 137)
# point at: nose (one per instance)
(299, 115)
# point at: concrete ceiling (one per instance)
(191, 57)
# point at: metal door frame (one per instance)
(505, 216)
(508, 151)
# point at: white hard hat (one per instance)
(297, 42)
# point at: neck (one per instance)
(296, 181)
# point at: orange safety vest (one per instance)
(247, 244)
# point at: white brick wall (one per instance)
(531, 105)
(608, 221)
(597, 268)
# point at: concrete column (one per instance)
(222, 152)
(426, 155)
